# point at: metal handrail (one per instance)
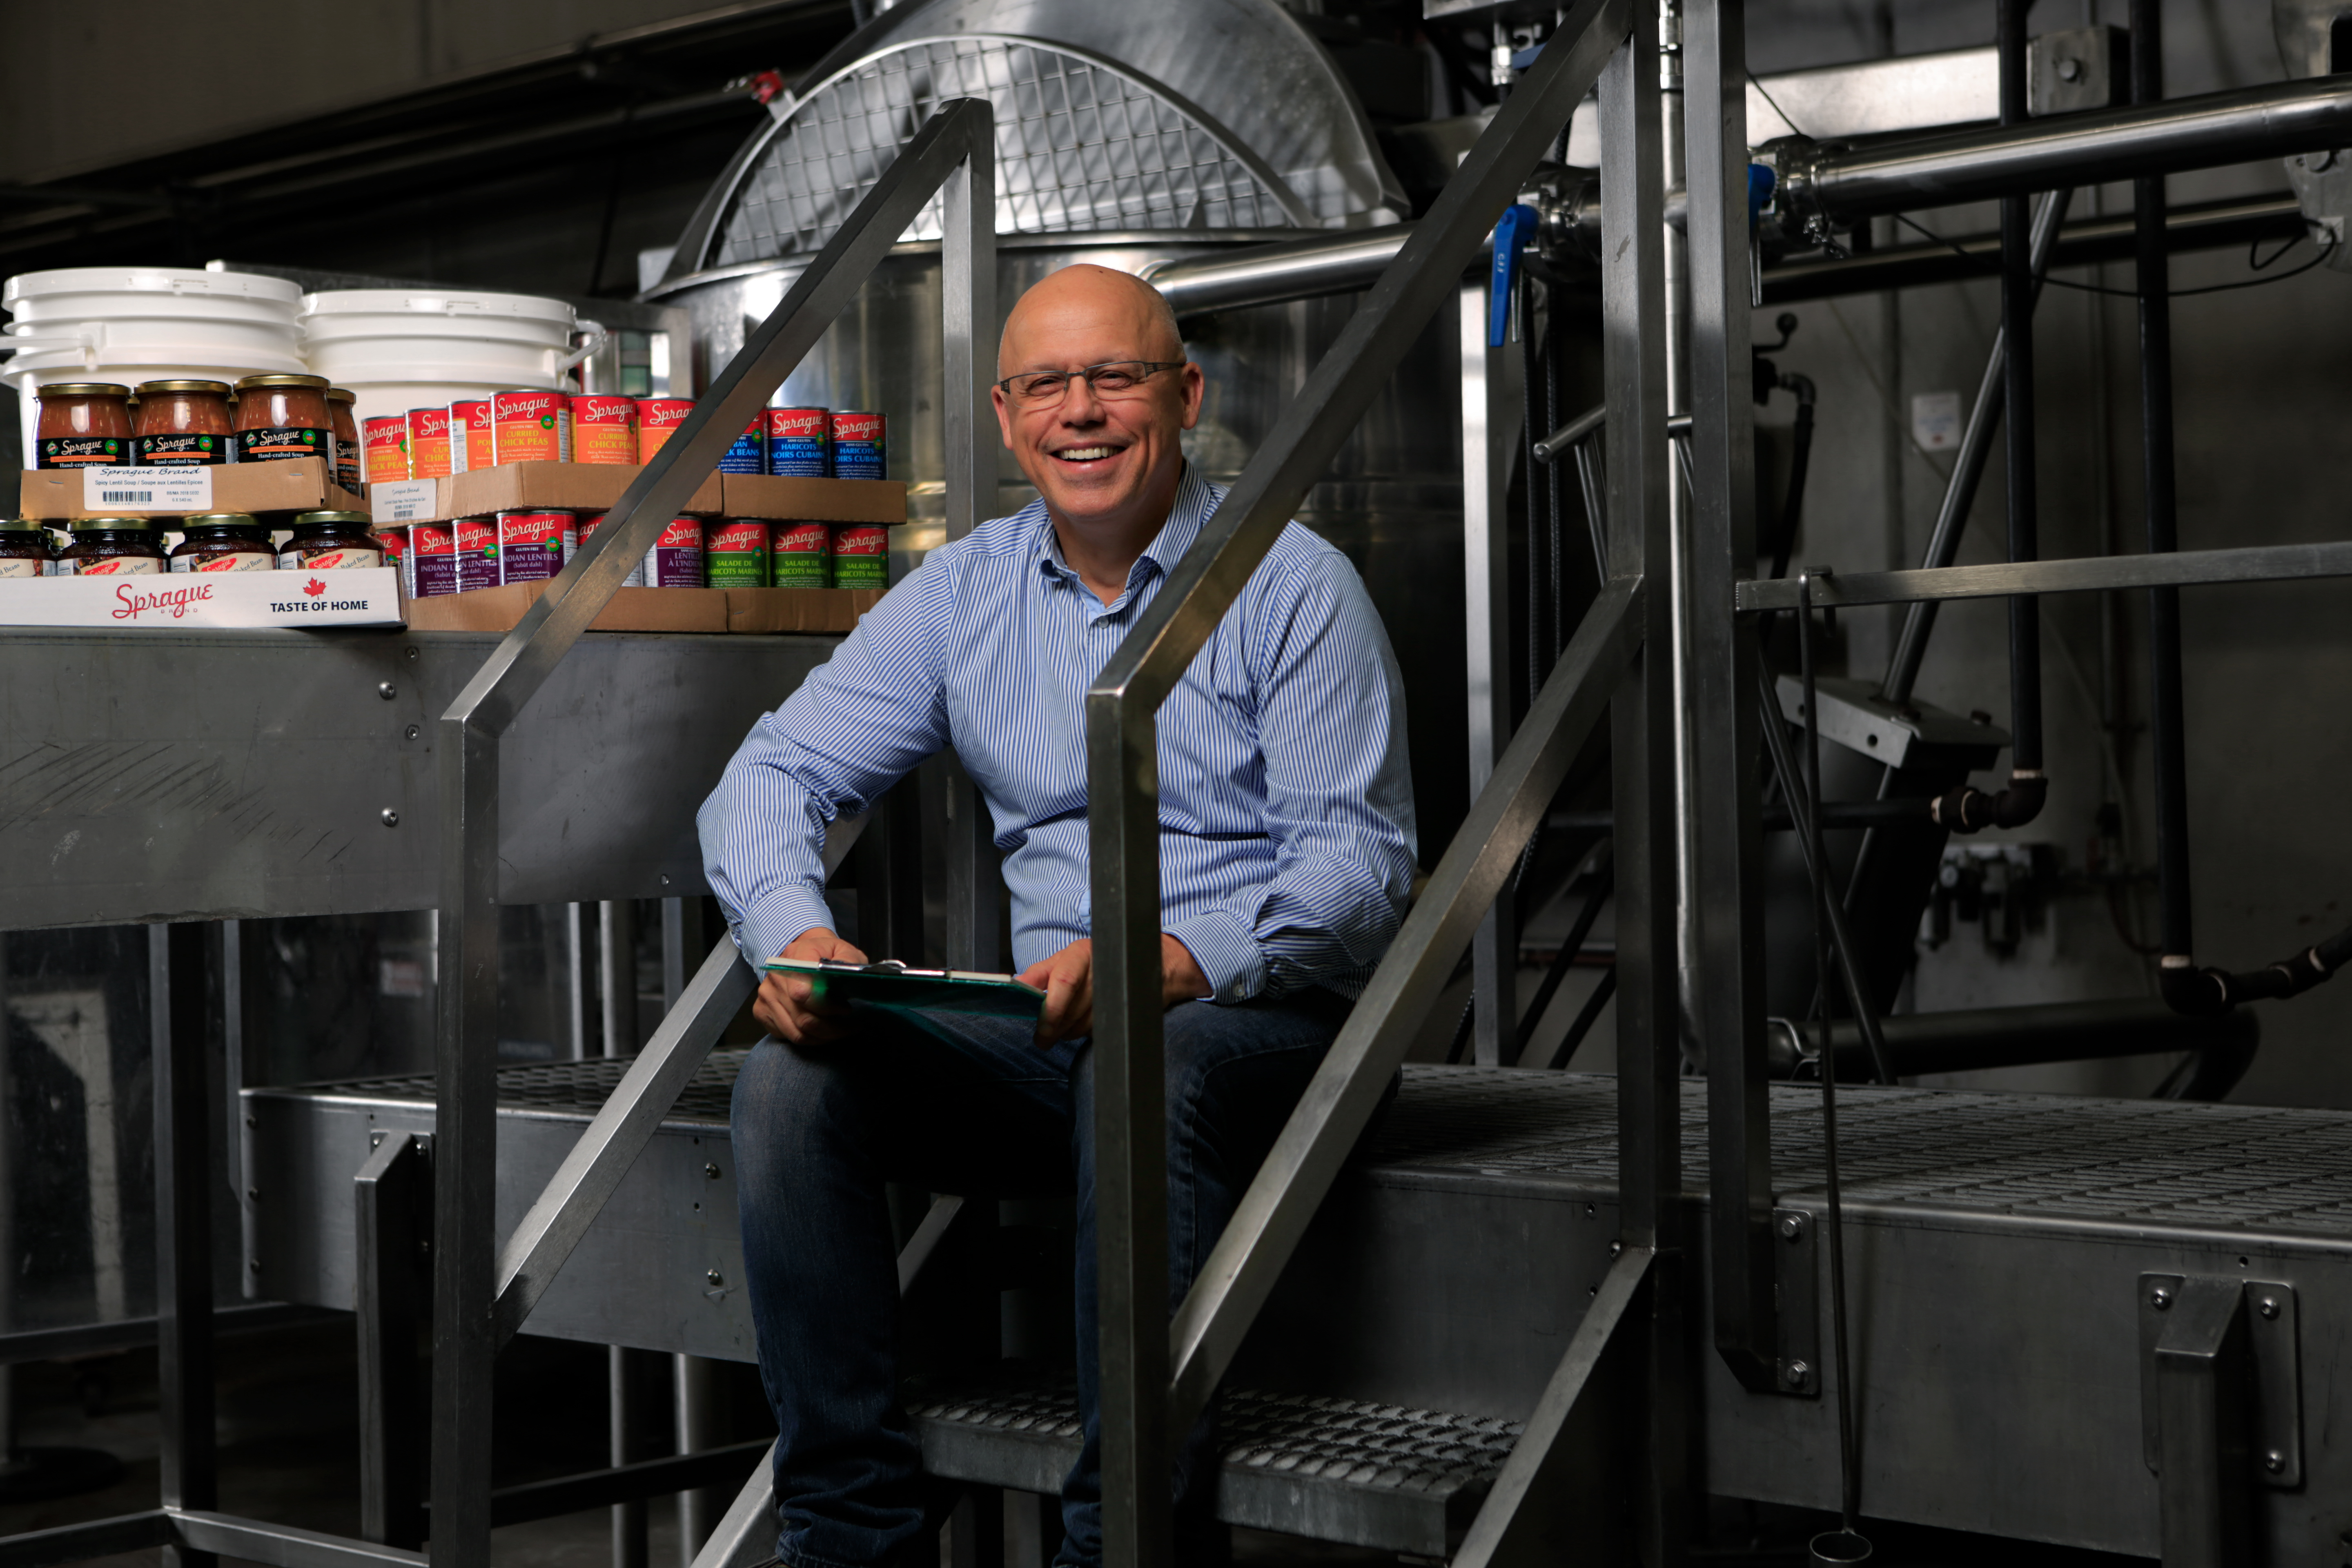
(956, 148)
(1122, 760)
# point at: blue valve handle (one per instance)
(1517, 225)
(1760, 183)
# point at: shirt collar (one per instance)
(1195, 500)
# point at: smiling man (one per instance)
(1286, 849)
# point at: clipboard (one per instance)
(890, 983)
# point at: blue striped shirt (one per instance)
(1287, 843)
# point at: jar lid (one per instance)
(314, 381)
(20, 525)
(82, 389)
(221, 519)
(341, 394)
(91, 524)
(216, 388)
(326, 519)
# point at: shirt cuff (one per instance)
(1227, 953)
(778, 921)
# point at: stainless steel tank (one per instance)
(1257, 140)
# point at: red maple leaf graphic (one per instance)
(314, 587)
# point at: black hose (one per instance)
(1800, 461)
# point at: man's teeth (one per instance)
(1082, 453)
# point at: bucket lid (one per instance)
(428, 303)
(27, 286)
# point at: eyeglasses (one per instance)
(1112, 379)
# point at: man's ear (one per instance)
(1196, 385)
(1004, 417)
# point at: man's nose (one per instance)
(1079, 404)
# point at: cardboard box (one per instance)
(208, 600)
(557, 487)
(830, 610)
(294, 484)
(628, 610)
(815, 500)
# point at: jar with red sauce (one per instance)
(345, 430)
(181, 424)
(323, 540)
(281, 417)
(224, 542)
(83, 425)
(24, 549)
(110, 547)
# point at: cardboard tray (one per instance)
(629, 610)
(295, 484)
(832, 610)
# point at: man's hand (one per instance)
(786, 1003)
(1067, 979)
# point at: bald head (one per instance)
(1068, 317)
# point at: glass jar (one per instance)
(284, 417)
(346, 431)
(224, 542)
(325, 540)
(181, 421)
(24, 549)
(83, 424)
(110, 547)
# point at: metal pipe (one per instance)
(2093, 574)
(1266, 274)
(2167, 740)
(1967, 466)
(2015, 1037)
(2016, 393)
(1838, 186)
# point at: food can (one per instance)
(432, 559)
(799, 446)
(802, 553)
(395, 551)
(531, 427)
(749, 455)
(675, 559)
(428, 443)
(388, 449)
(861, 555)
(735, 554)
(858, 440)
(471, 438)
(588, 526)
(657, 417)
(534, 545)
(604, 428)
(478, 552)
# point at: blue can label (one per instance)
(797, 446)
(749, 455)
(858, 446)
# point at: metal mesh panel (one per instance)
(1078, 147)
(2153, 1161)
(2163, 1162)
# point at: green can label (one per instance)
(804, 554)
(861, 555)
(735, 554)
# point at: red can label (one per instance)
(657, 417)
(603, 429)
(803, 554)
(802, 539)
(470, 437)
(796, 424)
(737, 535)
(428, 443)
(386, 440)
(531, 427)
(861, 539)
(857, 427)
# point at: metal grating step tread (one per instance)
(1370, 1475)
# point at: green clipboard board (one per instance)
(890, 983)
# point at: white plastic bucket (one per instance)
(398, 348)
(130, 324)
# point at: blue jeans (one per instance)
(960, 1103)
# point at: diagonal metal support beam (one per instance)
(1338, 1104)
(1561, 1456)
(629, 1117)
(2182, 569)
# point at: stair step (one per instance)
(1347, 1470)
